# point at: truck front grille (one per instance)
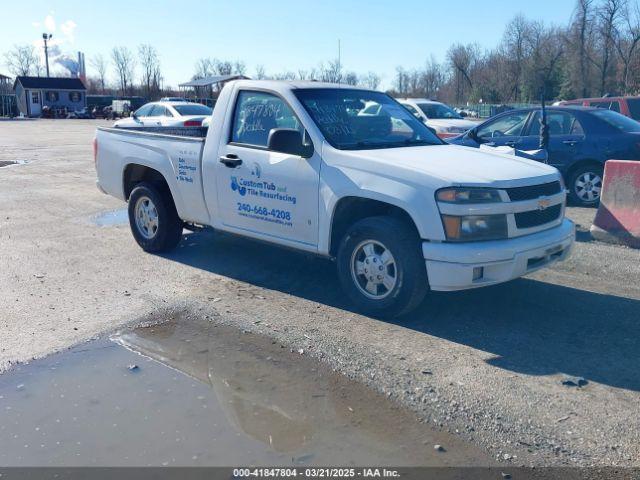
(519, 194)
(535, 218)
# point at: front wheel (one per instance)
(153, 218)
(381, 267)
(585, 185)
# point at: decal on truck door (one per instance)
(263, 190)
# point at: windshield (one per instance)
(617, 120)
(194, 109)
(438, 110)
(360, 119)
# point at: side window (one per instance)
(168, 112)
(35, 98)
(256, 114)
(412, 109)
(600, 104)
(615, 106)
(144, 111)
(507, 125)
(559, 123)
(157, 111)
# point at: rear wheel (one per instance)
(153, 218)
(585, 185)
(381, 267)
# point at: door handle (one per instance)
(510, 143)
(571, 143)
(231, 160)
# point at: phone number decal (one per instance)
(264, 211)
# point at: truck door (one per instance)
(263, 193)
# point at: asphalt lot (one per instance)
(485, 364)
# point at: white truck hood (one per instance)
(444, 165)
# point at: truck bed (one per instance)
(196, 132)
(176, 153)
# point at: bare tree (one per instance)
(607, 17)
(583, 26)
(462, 59)
(205, 67)
(350, 78)
(22, 60)
(627, 42)
(151, 75)
(260, 72)
(331, 72)
(370, 80)
(514, 49)
(432, 78)
(99, 63)
(124, 64)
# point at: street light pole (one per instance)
(45, 37)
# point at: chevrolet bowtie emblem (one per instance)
(543, 204)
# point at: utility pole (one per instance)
(45, 37)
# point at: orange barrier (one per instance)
(618, 217)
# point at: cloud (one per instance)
(50, 23)
(68, 29)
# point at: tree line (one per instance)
(596, 53)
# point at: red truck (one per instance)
(628, 106)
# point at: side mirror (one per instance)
(289, 140)
(473, 134)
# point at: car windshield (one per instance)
(438, 110)
(634, 108)
(617, 120)
(349, 119)
(193, 109)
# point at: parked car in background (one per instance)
(627, 106)
(581, 139)
(442, 118)
(167, 114)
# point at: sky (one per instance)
(281, 35)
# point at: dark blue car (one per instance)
(581, 139)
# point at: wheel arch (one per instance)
(350, 209)
(582, 163)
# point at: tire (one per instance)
(404, 282)
(153, 218)
(585, 185)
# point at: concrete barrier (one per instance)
(618, 217)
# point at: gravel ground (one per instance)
(487, 364)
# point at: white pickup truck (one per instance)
(293, 163)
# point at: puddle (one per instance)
(111, 218)
(204, 394)
(7, 163)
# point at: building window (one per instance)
(35, 98)
(52, 96)
(75, 96)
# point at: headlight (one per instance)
(468, 195)
(475, 227)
